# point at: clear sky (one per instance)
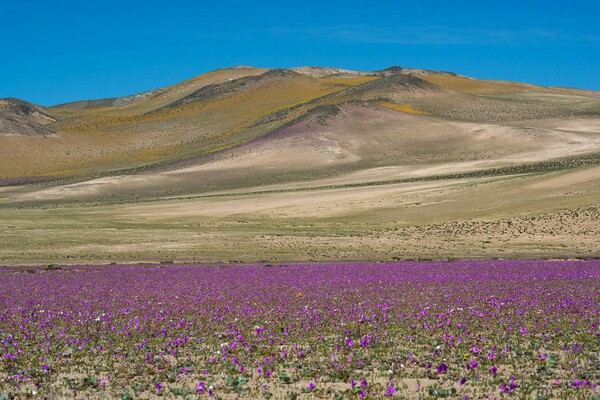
(55, 51)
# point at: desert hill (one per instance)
(402, 157)
(18, 117)
(229, 107)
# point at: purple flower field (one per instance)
(491, 329)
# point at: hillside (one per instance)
(18, 117)
(251, 160)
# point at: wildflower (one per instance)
(462, 381)
(158, 387)
(523, 331)
(390, 391)
(311, 386)
(442, 369)
(493, 370)
(510, 388)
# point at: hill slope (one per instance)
(310, 163)
(18, 117)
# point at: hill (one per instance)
(256, 160)
(18, 117)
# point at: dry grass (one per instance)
(403, 108)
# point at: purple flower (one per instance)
(442, 369)
(364, 384)
(158, 387)
(462, 381)
(311, 386)
(390, 391)
(510, 388)
(493, 370)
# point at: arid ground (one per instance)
(301, 165)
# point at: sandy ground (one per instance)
(530, 216)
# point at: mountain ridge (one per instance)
(230, 106)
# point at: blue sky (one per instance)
(59, 51)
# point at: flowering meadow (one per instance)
(476, 329)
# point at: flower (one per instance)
(390, 391)
(442, 369)
(311, 386)
(158, 387)
(510, 388)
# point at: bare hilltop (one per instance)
(264, 165)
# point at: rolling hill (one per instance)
(249, 161)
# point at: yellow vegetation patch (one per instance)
(468, 85)
(403, 108)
